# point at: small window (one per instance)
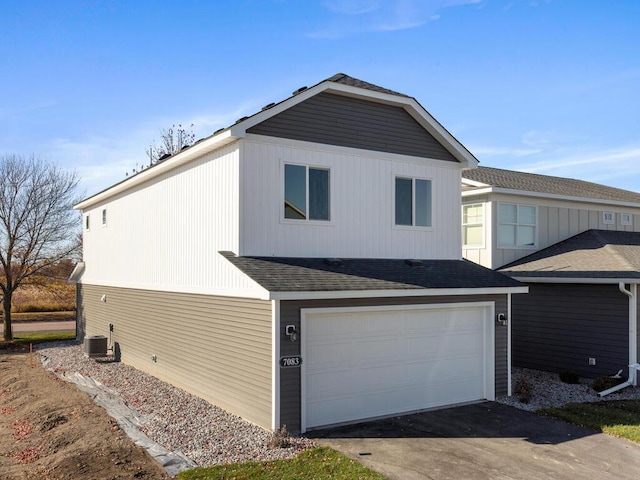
(306, 193)
(104, 217)
(608, 218)
(625, 219)
(86, 222)
(413, 202)
(517, 225)
(473, 225)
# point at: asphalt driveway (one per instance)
(484, 441)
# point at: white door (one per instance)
(368, 362)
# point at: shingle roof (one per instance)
(354, 82)
(591, 254)
(284, 274)
(533, 182)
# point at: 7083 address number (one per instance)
(291, 361)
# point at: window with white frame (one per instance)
(608, 218)
(306, 192)
(104, 217)
(516, 225)
(473, 225)
(413, 202)
(625, 219)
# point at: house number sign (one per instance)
(291, 361)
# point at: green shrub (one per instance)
(569, 376)
(523, 390)
(601, 384)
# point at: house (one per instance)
(576, 244)
(302, 267)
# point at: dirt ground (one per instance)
(49, 430)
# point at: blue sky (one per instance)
(541, 86)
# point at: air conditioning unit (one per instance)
(95, 346)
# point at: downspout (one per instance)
(633, 339)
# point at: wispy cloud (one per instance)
(354, 17)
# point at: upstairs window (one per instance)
(86, 222)
(473, 225)
(517, 225)
(608, 218)
(104, 217)
(306, 193)
(413, 202)
(625, 219)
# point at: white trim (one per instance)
(587, 280)
(413, 225)
(275, 364)
(489, 340)
(481, 246)
(305, 221)
(197, 150)
(76, 273)
(524, 193)
(426, 292)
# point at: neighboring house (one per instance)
(302, 267)
(576, 245)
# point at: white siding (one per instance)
(362, 204)
(165, 234)
(557, 221)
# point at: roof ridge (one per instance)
(611, 249)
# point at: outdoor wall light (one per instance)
(501, 319)
(290, 331)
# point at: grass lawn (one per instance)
(37, 337)
(322, 463)
(619, 417)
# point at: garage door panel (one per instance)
(374, 363)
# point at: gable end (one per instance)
(351, 122)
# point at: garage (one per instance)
(366, 362)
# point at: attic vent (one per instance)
(267, 107)
(241, 119)
(218, 131)
(300, 90)
(95, 346)
(165, 156)
(414, 263)
(333, 262)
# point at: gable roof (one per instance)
(499, 179)
(340, 84)
(594, 254)
(310, 275)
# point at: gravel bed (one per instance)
(549, 391)
(172, 417)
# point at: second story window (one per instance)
(413, 202)
(472, 225)
(104, 217)
(86, 222)
(516, 225)
(306, 193)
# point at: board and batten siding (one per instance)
(362, 223)
(218, 348)
(558, 327)
(165, 233)
(352, 122)
(290, 381)
(557, 221)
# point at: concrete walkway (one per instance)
(486, 441)
(22, 327)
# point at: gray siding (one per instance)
(559, 327)
(290, 396)
(351, 122)
(218, 348)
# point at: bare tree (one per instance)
(173, 140)
(37, 223)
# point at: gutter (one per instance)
(633, 339)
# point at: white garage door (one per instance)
(367, 362)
